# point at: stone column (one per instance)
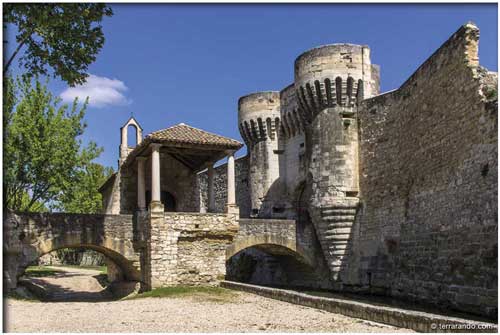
(231, 207)
(211, 193)
(155, 178)
(141, 184)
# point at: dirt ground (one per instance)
(242, 312)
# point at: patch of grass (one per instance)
(25, 296)
(101, 268)
(40, 271)
(201, 293)
(102, 278)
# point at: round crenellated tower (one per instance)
(259, 122)
(334, 75)
(329, 81)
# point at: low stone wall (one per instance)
(189, 248)
(418, 321)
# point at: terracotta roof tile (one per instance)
(184, 134)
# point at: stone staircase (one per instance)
(334, 227)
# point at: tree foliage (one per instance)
(63, 36)
(44, 156)
(83, 197)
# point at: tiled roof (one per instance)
(184, 134)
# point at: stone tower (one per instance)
(329, 81)
(258, 120)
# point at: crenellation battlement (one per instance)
(259, 116)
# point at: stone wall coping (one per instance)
(169, 214)
(71, 214)
(404, 318)
(284, 221)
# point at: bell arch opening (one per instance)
(132, 135)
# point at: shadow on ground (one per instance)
(62, 286)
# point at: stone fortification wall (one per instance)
(427, 225)
(220, 187)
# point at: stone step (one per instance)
(345, 235)
(337, 268)
(339, 253)
(340, 237)
(343, 211)
(337, 242)
(335, 246)
(337, 231)
(336, 262)
(339, 225)
(339, 218)
(352, 205)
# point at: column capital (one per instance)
(230, 152)
(141, 158)
(155, 146)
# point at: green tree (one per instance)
(43, 153)
(82, 196)
(65, 37)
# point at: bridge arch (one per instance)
(129, 270)
(274, 245)
(29, 236)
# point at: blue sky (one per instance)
(168, 64)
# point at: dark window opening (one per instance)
(167, 199)
(351, 194)
(278, 209)
(485, 170)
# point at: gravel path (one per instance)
(239, 312)
(73, 284)
(246, 313)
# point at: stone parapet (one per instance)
(398, 317)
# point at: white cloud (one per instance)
(101, 91)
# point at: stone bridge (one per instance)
(27, 236)
(136, 252)
(278, 237)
